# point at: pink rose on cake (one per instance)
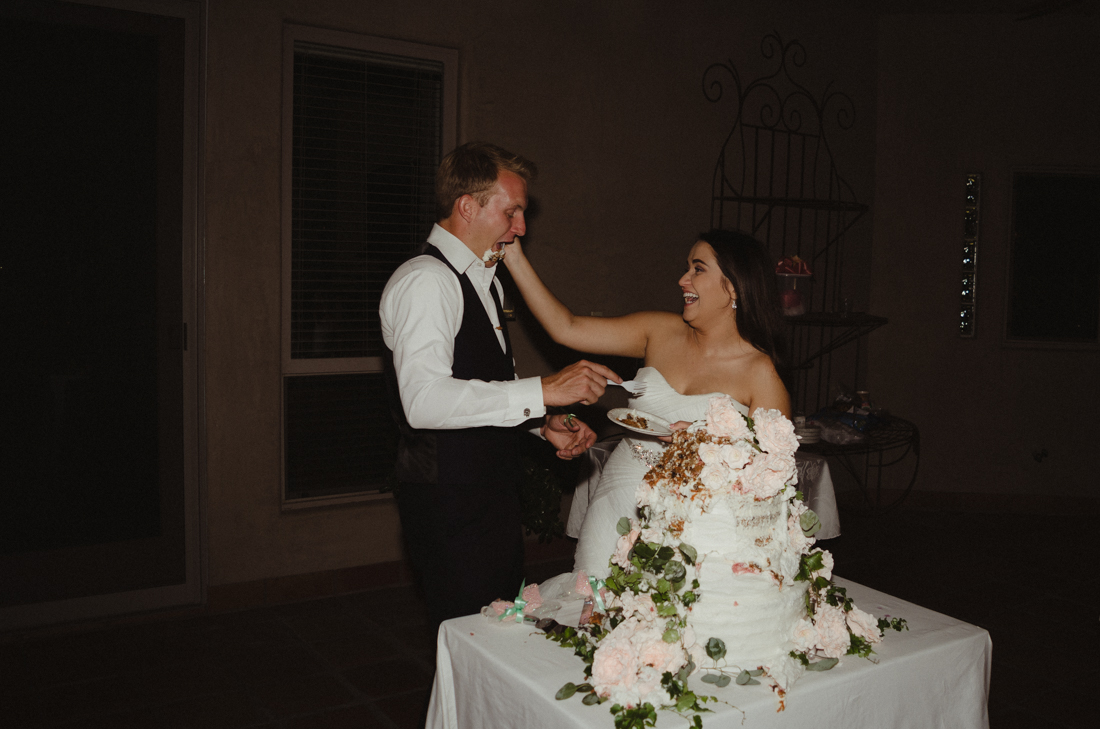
(805, 636)
(863, 625)
(615, 663)
(625, 544)
(832, 631)
(654, 651)
(724, 420)
(774, 432)
(767, 475)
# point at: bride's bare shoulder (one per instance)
(765, 385)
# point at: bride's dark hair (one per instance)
(747, 265)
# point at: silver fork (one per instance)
(637, 389)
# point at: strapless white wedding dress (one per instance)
(615, 496)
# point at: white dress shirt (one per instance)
(421, 312)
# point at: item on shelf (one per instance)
(795, 280)
(808, 433)
(838, 433)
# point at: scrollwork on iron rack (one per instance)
(779, 109)
(776, 160)
(776, 178)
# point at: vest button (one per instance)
(527, 412)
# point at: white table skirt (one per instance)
(936, 674)
(814, 480)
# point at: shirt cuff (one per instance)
(525, 399)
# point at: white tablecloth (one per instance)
(814, 481)
(934, 675)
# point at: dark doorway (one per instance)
(91, 367)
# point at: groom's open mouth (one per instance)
(496, 253)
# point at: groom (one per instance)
(454, 393)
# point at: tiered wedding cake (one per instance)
(718, 576)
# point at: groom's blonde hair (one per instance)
(473, 169)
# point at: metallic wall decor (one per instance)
(968, 298)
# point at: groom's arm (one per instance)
(421, 312)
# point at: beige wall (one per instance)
(967, 94)
(606, 97)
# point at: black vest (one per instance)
(468, 455)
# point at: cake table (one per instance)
(934, 674)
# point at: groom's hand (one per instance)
(582, 382)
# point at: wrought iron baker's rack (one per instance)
(776, 178)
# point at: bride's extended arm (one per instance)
(624, 335)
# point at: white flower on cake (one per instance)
(717, 577)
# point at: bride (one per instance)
(725, 342)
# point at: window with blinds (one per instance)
(369, 120)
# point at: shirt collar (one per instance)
(459, 255)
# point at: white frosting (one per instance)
(754, 613)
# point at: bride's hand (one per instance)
(678, 425)
(515, 248)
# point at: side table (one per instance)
(883, 446)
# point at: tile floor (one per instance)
(365, 660)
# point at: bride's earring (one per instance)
(734, 304)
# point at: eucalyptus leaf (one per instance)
(723, 681)
(810, 523)
(667, 610)
(584, 687)
(566, 691)
(756, 672)
(623, 526)
(744, 679)
(823, 665)
(591, 699)
(716, 648)
(689, 553)
(687, 670)
(671, 635)
(711, 678)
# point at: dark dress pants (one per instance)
(465, 542)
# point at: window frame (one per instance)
(1008, 339)
(293, 34)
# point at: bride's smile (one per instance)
(704, 286)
